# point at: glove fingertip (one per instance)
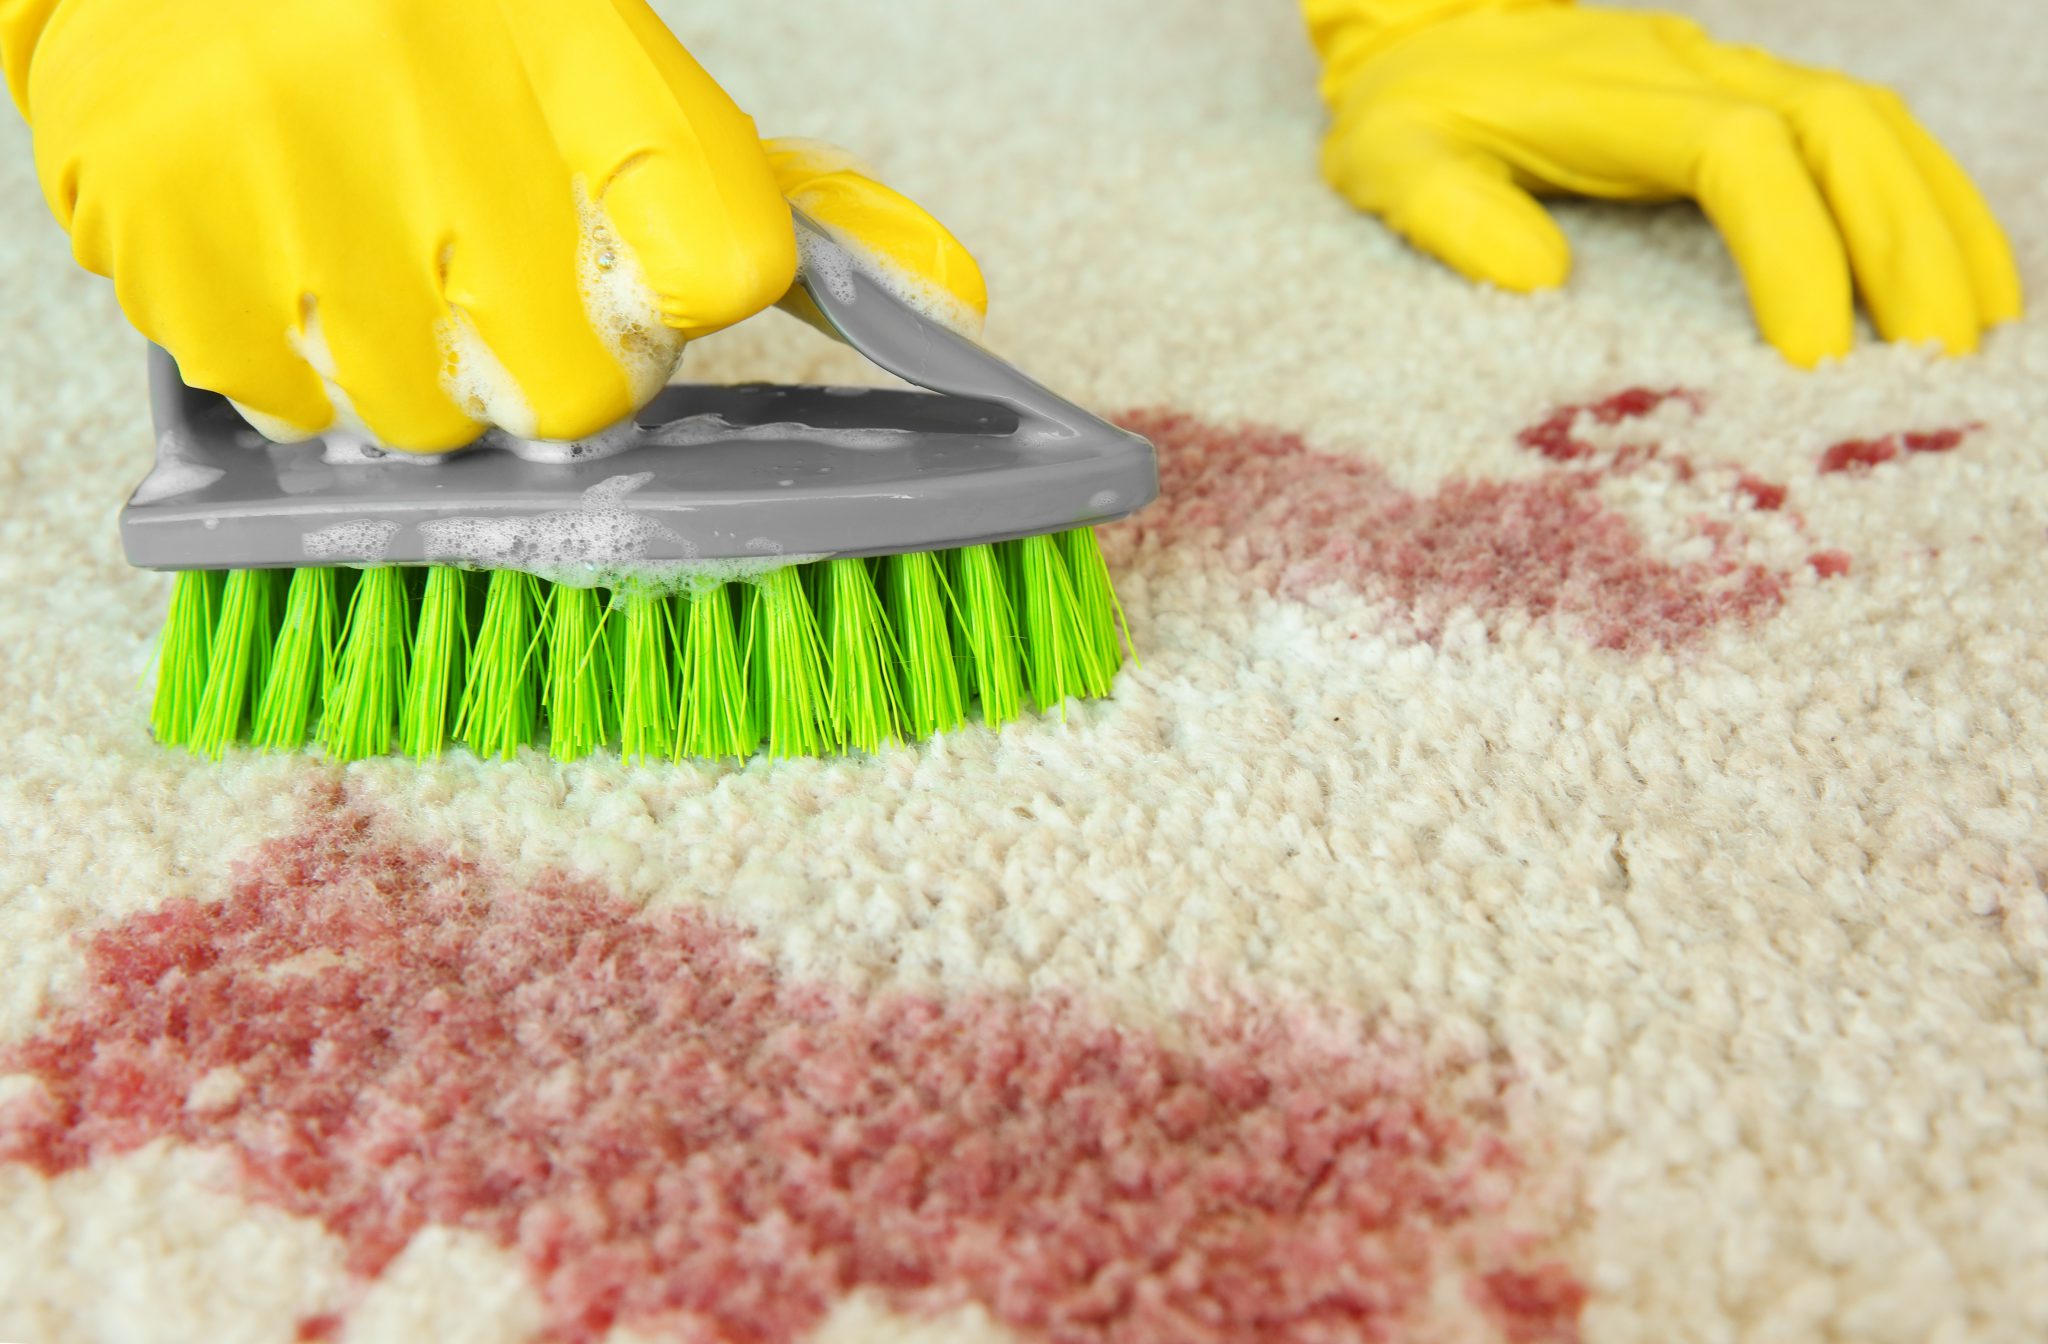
(1497, 236)
(710, 267)
(1810, 342)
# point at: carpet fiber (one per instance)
(1569, 865)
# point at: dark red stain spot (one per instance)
(1937, 440)
(1761, 494)
(1262, 505)
(1858, 454)
(316, 1328)
(1863, 454)
(1547, 1293)
(1555, 436)
(675, 1138)
(1829, 564)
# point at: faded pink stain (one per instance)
(674, 1137)
(1264, 506)
(1863, 454)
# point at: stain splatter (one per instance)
(1863, 454)
(673, 1137)
(1265, 506)
(1829, 564)
(1556, 436)
(1857, 454)
(1763, 495)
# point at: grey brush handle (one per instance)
(705, 473)
(896, 336)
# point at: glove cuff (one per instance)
(21, 27)
(1349, 33)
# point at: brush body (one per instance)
(632, 592)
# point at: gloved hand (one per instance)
(1449, 114)
(905, 245)
(426, 216)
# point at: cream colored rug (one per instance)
(1569, 866)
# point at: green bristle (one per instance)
(1059, 659)
(440, 656)
(713, 721)
(963, 656)
(578, 695)
(807, 660)
(238, 661)
(860, 652)
(183, 654)
(913, 590)
(302, 662)
(785, 667)
(988, 628)
(647, 686)
(369, 681)
(612, 646)
(501, 702)
(1100, 614)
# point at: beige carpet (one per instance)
(1557, 873)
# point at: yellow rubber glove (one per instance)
(1450, 116)
(425, 217)
(904, 244)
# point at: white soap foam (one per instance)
(601, 535)
(311, 343)
(477, 381)
(359, 539)
(601, 544)
(623, 307)
(269, 429)
(346, 448)
(594, 448)
(174, 474)
(834, 268)
(831, 267)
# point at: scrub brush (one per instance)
(800, 570)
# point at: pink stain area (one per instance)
(1262, 504)
(675, 1138)
(1556, 438)
(1863, 454)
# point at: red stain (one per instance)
(1263, 505)
(1829, 564)
(1937, 440)
(1546, 1294)
(1863, 454)
(1554, 435)
(316, 1328)
(1858, 454)
(674, 1137)
(1761, 494)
